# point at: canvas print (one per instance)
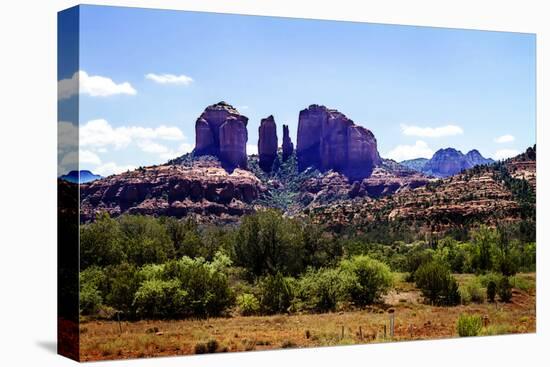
(233, 183)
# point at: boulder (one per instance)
(221, 131)
(267, 143)
(288, 147)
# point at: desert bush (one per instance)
(91, 296)
(372, 279)
(472, 291)
(323, 289)
(100, 243)
(276, 293)
(248, 304)
(491, 291)
(268, 243)
(437, 284)
(205, 283)
(469, 325)
(485, 279)
(90, 299)
(485, 240)
(123, 282)
(161, 299)
(505, 290)
(145, 240)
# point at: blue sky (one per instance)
(417, 88)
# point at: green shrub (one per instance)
(145, 240)
(90, 299)
(437, 284)
(505, 290)
(205, 283)
(372, 279)
(100, 243)
(472, 291)
(161, 299)
(491, 291)
(469, 325)
(276, 293)
(248, 304)
(92, 282)
(124, 280)
(484, 279)
(322, 290)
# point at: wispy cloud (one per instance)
(403, 152)
(431, 132)
(505, 139)
(170, 79)
(92, 85)
(505, 153)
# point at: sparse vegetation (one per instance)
(469, 325)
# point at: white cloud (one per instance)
(181, 150)
(86, 156)
(112, 168)
(149, 146)
(92, 85)
(403, 152)
(505, 139)
(431, 132)
(505, 153)
(100, 134)
(251, 149)
(170, 79)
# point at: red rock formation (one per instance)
(267, 143)
(327, 139)
(221, 131)
(288, 147)
(204, 188)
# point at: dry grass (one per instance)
(413, 321)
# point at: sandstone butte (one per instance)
(221, 131)
(328, 140)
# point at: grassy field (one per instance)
(414, 320)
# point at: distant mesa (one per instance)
(447, 162)
(221, 131)
(328, 140)
(267, 143)
(85, 176)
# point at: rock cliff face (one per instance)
(288, 147)
(221, 131)
(327, 140)
(205, 188)
(267, 143)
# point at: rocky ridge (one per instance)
(204, 188)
